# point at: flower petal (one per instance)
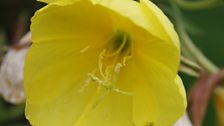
(54, 74)
(54, 82)
(160, 97)
(64, 41)
(160, 22)
(115, 109)
(146, 15)
(76, 20)
(151, 47)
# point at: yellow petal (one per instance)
(148, 46)
(77, 20)
(114, 109)
(54, 74)
(54, 82)
(59, 60)
(162, 25)
(57, 67)
(160, 96)
(156, 83)
(145, 15)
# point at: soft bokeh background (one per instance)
(210, 22)
(208, 35)
(14, 23)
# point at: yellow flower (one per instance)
(103, 63)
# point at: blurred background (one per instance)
(205, 27)
(14, 23)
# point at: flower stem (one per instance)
(186, 61)
(188, 43)
(198, 4)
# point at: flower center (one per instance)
(110, 62)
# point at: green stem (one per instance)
(186, 41)
(199, 56)
(191, 64)
(198, 4)
(189, 71)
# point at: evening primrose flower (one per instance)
(103, 63)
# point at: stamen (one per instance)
(126, 59)
(96, 79)
(85, 49)
(110, 62)
(117, 70)
(123, 92)
(100, 63)
(87, 82)
(109, 84)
